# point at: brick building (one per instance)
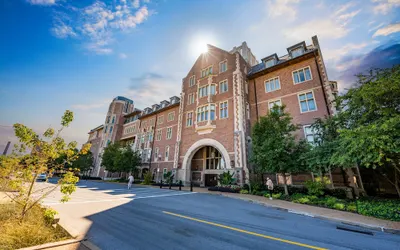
(207, 130)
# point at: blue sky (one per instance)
(78, 55)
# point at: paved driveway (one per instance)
(113, 217)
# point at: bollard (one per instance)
(180, 185)
(191, 186)
(170, 184)
(161, 184)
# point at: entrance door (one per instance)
(211, 180)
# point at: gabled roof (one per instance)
(96, 128)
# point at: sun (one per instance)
(200, 47)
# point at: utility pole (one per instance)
(7, 147)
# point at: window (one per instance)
(302, 75)
(105, 130)
(223, 66)
(160, 119)
(113, 119)
(192, 81)
(213, 89)
(223, 110)
(297, 52)
(189, 119)
(309, 133)
(223, 86)
(213, 159)
(202, 113)
(246, 86)
(166, 153)
(203, 91)
(108, 119)
(248, 111)
(206, 113)
(150, 136)
(159, 135)
(307, 102)
(270, 63)
(111, 127)
(191, 98)
(171, 116)
(151, 122)
(156, 151)
(273, 103)
(272, 84)
(169, 133)
(206, 72)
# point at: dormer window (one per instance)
(297, 52)
(270, 63)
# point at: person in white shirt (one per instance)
(130, 181)
(270, 186)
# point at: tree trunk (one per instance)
(28, 196)
(285, 184)
(396, 182)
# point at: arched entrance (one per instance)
(204, 161)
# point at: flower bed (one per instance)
(226, 188)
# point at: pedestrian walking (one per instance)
(130, 181)
(270, 186)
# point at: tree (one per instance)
(275, 148)
(83, 162)
(118, 158)
(20, 170)
(370, 135)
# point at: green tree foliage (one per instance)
(118, 158)
(275, 148)
(83, 162)
(370, 135)
(19, 170)
(169, 177)
(226, 178)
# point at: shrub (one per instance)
(312, 198)
(296, 196)
(315, 187)
(339, 193)
(385, 209)
(147, 178)
(257, 186)
(246, 187)
(330, 201)
(297, 190)
(351, 207)
(49, 215)
(226, 178)
(244, 191)
(339, 206)
(276, 196)
(266, 195)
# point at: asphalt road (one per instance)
(151, 218)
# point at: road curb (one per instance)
(322, 217)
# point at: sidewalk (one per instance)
(313, 211)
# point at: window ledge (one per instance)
(205, 129)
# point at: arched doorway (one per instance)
(206, 163)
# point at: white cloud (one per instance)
(376, 27)
(385, 6)
(286, 8)
(336, 54)
(324, 28)
(123, 56)
(345, 18)
(98, 23)
(42, 2)
(343, 8)
(385, 31)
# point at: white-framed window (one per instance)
(307, 102)
(169, 133)
(223, 66)
(205, 113)
(111, 128)
(297, 52)
(159, 135)
(156, 152)
(206, 72)
(189, 119)
(309, 133)
(151, 122)
(203, 91)
(272, 84)
(302, 75)
(160, 119)
(113, 119)
(223, 86)
(191, 98)
(166, 153)
(192, 80)
(223, 110)
(171, 116)
(270, 63)
(273, 103)
(213, 89)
